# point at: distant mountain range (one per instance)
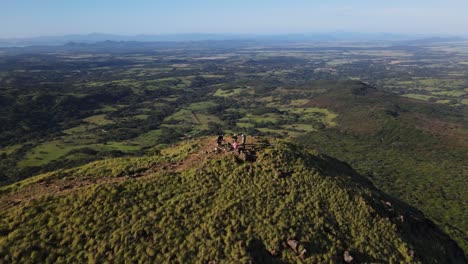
(335, 36)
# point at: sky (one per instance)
(30, 18)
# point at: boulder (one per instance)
(303, 253)
(347, 257)
(293, 244)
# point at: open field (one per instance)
(255, 88)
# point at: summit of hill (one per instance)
(274, 202)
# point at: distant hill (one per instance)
(280, 203)
(330, 36)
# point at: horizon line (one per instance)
(335, 32)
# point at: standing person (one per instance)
(235, 146)
(243, 140)
(234, 138)
(219, 140)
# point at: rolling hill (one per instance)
(280, 203)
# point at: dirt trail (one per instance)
(204, 151)
(49, 187)
(207, 150)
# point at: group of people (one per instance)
(234, 145)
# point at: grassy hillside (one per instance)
(189, 204)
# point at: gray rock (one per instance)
(293, 244)
(303, 253)
(347, 257)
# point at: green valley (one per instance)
(91, 133)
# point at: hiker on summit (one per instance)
(243, 140)
(219, 140)
(235, 146)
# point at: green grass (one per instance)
(10, 149)
(147, 139)
(192, 116)
(383, 53)
(322, 115)
(57, 149)
(244, 125)
(298, 102)
(444, 101)
(205, 119)
(450, 93)
(418, 96)
(99, 120)
(172, 98)
(141, 117)
(267, 99)
(281, 133)
(212, 76)
(107, 108)
(45, 153)
(79, 129)
(228, 93)
(122, 146)
(123, 82)
(221, 209)
(152, 87)
(300, 127)
(27, 182)
(183, 115)
(201, 106)
(441, 82)
(259, 119)
(337, 62)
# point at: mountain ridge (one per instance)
(187, 37)
(191, 203)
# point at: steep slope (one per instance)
(413, 150)
(189, 204)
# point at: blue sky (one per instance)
(26, 18)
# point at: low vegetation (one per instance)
(397, 113)
(221, 208)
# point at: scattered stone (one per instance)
(293, 244)
(279, 173)
(347, 257)
(212, 261)
(66, 187)
(303, 253)
(273, 252)
(282, 174)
